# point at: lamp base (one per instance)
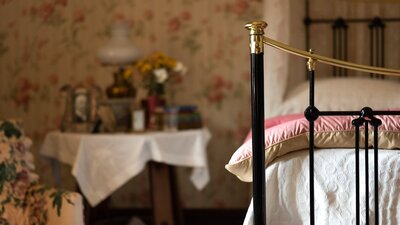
(122, 86)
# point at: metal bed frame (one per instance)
(340, 27)
(366, 118)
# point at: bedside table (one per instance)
(101, 163)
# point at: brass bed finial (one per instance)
(257, 34)
(311, 63)
(256, 29)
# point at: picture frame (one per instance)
(122, 111)
(81, 106)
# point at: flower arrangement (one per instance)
(157, 69)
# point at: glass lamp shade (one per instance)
(119, 50)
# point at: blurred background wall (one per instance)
(45, 44)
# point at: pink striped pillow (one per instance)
(268, 123)
(330, 132)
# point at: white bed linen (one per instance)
(287, 188)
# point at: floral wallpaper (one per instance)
(45, 44)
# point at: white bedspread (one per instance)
(287, 188)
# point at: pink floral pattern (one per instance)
(47, 43)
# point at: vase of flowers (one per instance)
(157, 70)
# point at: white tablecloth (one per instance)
(101, 163)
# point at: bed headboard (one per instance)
(339, 35)
(348, 20)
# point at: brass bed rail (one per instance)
(330, 61)
(366, 118)
(255, 27)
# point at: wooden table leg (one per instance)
(162, 191)
(92, 214)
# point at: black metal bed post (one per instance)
(376, 123)
(357, 123)
(257, 114)
(366, 117)
(311, 114)
(366, 147)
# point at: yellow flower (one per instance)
(171, 63)
(146, 68)
(128, 73)
(157, 67)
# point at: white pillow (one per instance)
(343, 94)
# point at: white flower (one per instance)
(180, 68)
(161, 75)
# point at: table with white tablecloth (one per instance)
(101, 163)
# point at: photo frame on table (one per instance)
(122, 112)
(81, 106)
